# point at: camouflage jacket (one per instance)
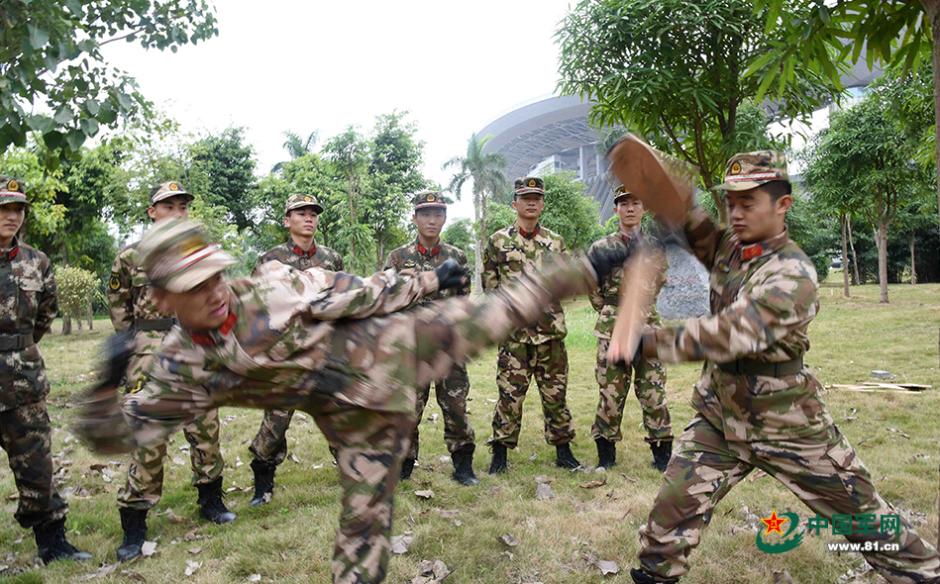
(415, 258)
(131, 301)
(607, 296)
(280, 341)
(763, 297)
(291, 254)
(506, 254)
(28, 305)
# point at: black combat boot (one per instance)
(642, 577)
(463, 466)
(211, 506)
(564, 457)
(407, 467)
(134, 524)
(264, 482)
(606, 453)
(52, 545)
(662, 452)
(498, 464)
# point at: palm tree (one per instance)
(297, 146)
(486, 172)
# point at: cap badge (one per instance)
(430, 198)
(173, 186)
(735, 168)
(192, 245)
(12, 185)
(532, 182)
(308, 199)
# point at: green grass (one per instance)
(290, 540)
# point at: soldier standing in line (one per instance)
(27, 307)
(328, 343)
(649, 375)
(300, 251)
(425, 255)
(538, 350)
(756, 404)
(133, 309)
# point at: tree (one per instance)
(222, 169)
(671, 70)
(394, 172)
(57, 82)
(459, 234)
(76, 290)
(833, 34)
(297, 146)
(569, 212)
(349, 153)
(485, 171)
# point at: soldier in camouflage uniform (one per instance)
(300, 251)
(538, 350)
(27, 307)
(327, 343)
(756, 404)
(424, 255)
(133, 309)
(614, 378)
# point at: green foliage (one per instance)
(569, 212)
(45, 216)
(817, 233)
(459, 233)
(500, 216)
(222, 170)
(76, 290)
(671, 70)
(55, 79)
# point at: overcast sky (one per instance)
(316, 65)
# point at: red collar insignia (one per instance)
(529, 234)
(11, 253)
(207, 340)
(749, 252)
(429, 252)
(300, 251)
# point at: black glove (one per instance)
(450, 274)
(118, 350)
(605, 259)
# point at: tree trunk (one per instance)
(881, 237)
(480, 221)
(913, 261)
(66, 324)
(933, 13)
(91, 317)
(856, 279)
(845, 258)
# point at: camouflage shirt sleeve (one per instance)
(782, 301)
(490, 274)
(120, 298)
(48, 303)
(462, 260)
(267, 257)
(597, 294)
(392, 261)
(339, 263)
(703, 235)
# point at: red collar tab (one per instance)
(429, 252)
(208, 339)
(529, 234)
(626, 238)
(300, 251)
(11, 253)
(749, 252)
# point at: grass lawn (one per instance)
(290, 540)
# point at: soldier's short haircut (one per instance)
(777, 189)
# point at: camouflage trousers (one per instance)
(824, 472)
(26, 436)
(451, 393)
(270, 443)
(516, 365)
(649, 382)
(144, 484)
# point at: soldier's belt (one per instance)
(10, 342)
(762, 368)
(155, 324)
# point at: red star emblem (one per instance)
(773, 523)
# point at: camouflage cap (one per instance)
(749, 170)
(428, 199)
(177, 256)
(621, 193)
(529, 185)
(166, 190)
(298, 201)
(11, 191)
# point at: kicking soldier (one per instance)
(649, 375)
(756, 404)
(27, 307)
(424, 255)
(300, 251)
(328, 343)
(538, 350)
(133, 309)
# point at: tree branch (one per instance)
(672, 136)
(122, 37)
